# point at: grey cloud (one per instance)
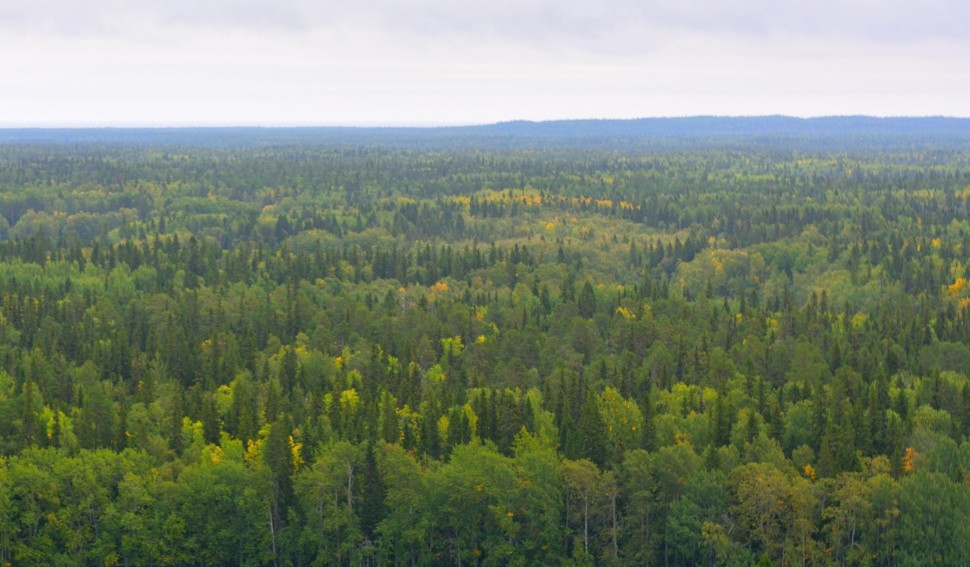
(880, 20)
(132, 17)
(582, 21)
(251, 14)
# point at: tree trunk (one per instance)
(272, 533)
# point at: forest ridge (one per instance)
(766, 132)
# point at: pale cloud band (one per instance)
(438, 61)
(877, 20)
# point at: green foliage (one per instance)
(325, 355)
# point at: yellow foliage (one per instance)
(452, 345)
(254, 452)
(773, 324)
(717, 263)
(625, 313)
(440, 287)
(958, 286)
(49, 417)
(470, 414)
(436, 374)
(301, 352)
(809, 471)
(909, 459)
(443, 424)
(349, 399)
(296, 452)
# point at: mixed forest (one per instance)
(400, 355)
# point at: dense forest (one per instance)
(379, 354)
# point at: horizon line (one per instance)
(430, 125)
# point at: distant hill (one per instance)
(836, 132)
(702, 126)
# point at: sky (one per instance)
(449, 62)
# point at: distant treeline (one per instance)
(834, 133)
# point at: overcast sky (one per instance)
(372, 62)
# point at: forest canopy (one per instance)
(437, 354)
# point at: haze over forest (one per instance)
(834, 132)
